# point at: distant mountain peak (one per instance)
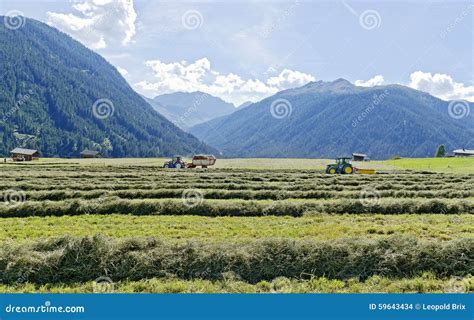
(336, 86)
(187, 109)
(329, 119)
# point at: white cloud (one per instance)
(375, 81)
(199, 76)
(122, 71)
(441, 85)
(290, 79)
(99, 23)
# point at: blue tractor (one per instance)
(176, 162)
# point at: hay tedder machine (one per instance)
(200, 160)
(343, 166)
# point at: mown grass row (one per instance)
(432, 227)
(244, 208)
(151, 174)
(248, 177)
(67, 259)
(56, 195)
(448, 190)
(425, 283)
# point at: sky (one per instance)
(248, 50)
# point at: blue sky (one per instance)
(247, 50)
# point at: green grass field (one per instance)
(443, 165)
(246, 225)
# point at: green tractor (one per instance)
(342, 165)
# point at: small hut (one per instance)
(22, 154)
(463, 153)
(359, 157)
(90, 154)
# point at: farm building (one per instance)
(22, 154)
(90, 154)
(463, 153)
(360, 157)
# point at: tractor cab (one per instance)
(342, 166)
(176, 162)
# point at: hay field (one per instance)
(276, 225)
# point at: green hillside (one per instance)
(330, 119)
(60, 97)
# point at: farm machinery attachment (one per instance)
(202, 161)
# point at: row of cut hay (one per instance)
(249, 177)
(246, 208)
(265, 176)
(426, 283)
(57, 195)
(229, 185)
(70, 259)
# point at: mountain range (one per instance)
(189, 109)
(60, 97)
(330, 119)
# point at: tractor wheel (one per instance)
(347, 169)
(332, 170)
(178, 166)
(166, 166)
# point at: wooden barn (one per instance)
(22, 154)
(90, 154)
